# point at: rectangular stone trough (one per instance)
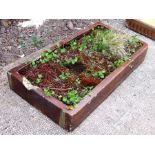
(55, 109)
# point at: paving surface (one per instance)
(129, 110)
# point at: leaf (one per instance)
(49, 51)
(64, 99)
(48, 92)
(33, 64)
(63, 50)
(40, 76)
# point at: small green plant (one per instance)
(85, 41)
(78, 81)
(133, 40)
(73, 44)
(86, 91)
(100, 74)
(64, 76)
(82, 47)
(109, 42)
(36, 41)
(72, 98)
(48, 92)
(63, 50)
(132, 44)
(70, 61)
(39, 79)
(48, 56)
(100, 42)
(118, 62)
(34, 64)
(88, 38)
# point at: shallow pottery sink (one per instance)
(69, 119)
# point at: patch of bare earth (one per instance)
(17, 41)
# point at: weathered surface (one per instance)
(129, 110)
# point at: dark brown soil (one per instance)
(12, 37)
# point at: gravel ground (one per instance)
(16, 40)
(130, 109)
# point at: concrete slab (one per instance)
(129, 110)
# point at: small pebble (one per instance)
(8, 48)
(70, 25)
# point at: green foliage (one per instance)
(64, 76)
(48, 56)
(45, 58)
(85, 41)
(39, 79)
(36, 41)
(88, 38)
(109, 42)
(70, 61)
(132, 44)
(72, 98)
(118, 62)
(133, 40)
(48, 92)
(86, 91)
(34, 64)
(73, 44)
(63, 50)
(82, 47)
(100, 74)
(78, 81)
(100, 41)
